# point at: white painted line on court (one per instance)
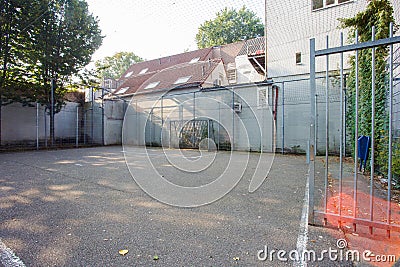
(8, 258)
(302, 239)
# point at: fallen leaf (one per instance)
(156, 258)
(123, 252)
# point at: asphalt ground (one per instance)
(79, 207)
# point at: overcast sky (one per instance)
(152, 29)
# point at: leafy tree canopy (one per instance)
(113, 67)
(229, 26)
(42, 40)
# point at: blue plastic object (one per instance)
(364, 143)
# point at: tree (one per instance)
(48, 42)
(113, 67)
(379, 13)
(229, 26)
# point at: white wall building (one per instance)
(291, 25)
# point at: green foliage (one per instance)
(379, 13)
(42, 40)
(383, 156)
(113, 67)
(229, 26)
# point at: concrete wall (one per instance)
(114, 112)
(19, 124)
(293, 117)
(251, 129)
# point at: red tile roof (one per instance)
(168, 70)
(197, 72)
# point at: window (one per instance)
(123, 90)
(152, 85)
(298, 58)
(317, 4)
(194, 60)
(262, 98)
(143, 71)
(129, 74)
(182, 80)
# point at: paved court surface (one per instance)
(79, 207)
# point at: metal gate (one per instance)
(340, 195)
(192, 133)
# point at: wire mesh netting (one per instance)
(29, 127)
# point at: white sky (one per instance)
(153, 29)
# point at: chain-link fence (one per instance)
(238, 118)
(293, 115)
(28, 127)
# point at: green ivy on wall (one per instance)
(379, 13)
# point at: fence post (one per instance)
(356, 133)
(311, 176)
(326, 129)
(77, 127)
(45, 128)
(283, 117)
(389, 194)
(37, 126)
(102, 116)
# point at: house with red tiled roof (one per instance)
(210, 67)
(178, 100)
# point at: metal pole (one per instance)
(208, 135)
(371, 192)
(219, 125)
(194, 120)
(233, 121)
(102, 116)
(356, 136)
(162, 112)
(341, 128)
(344, 114)
(84, 126)
(283, 118)
(316, 124)
(326, 127)
(77, 127)
(389, 196)
(137, 124)
(311, 176)
(52, 113)
(37, 126)
(45, 128)
(266, 42)
(170, 131)
(92, 120)
(162, 119)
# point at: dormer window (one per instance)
(129, 74)
(143, 71)
(152, 85)
(194, 60)
(123, 90)
(182, 80)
